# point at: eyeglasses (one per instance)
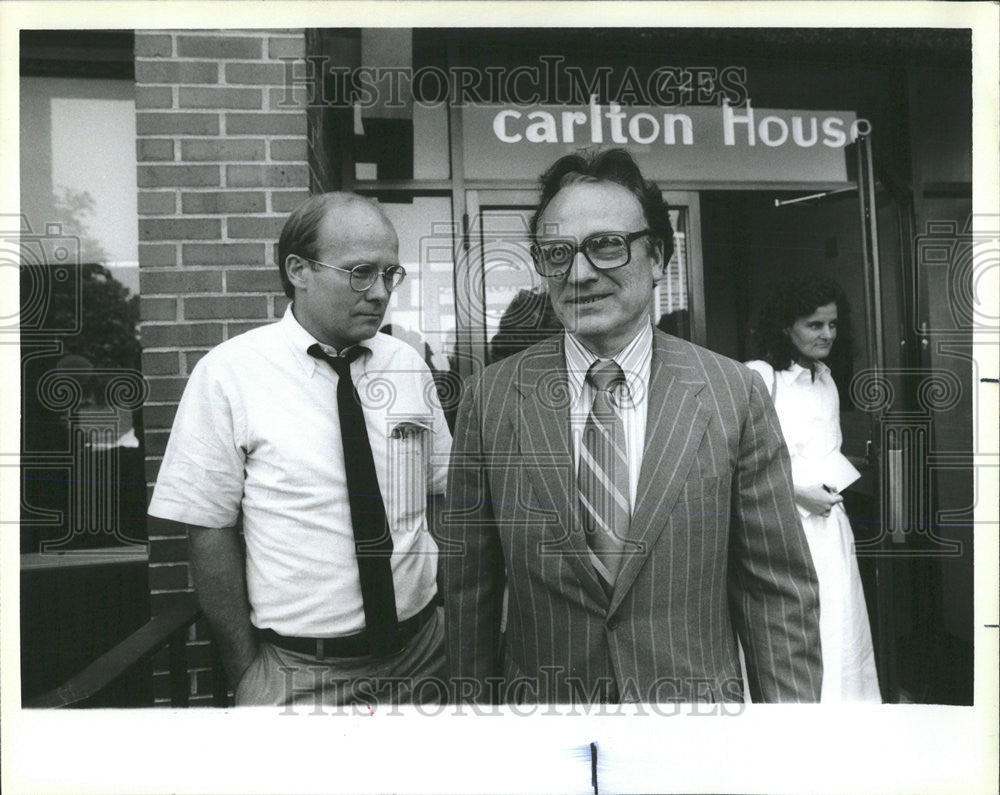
(363, 276)
(603, 250)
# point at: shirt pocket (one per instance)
(409, 461)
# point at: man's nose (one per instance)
(378, 290)
(580, 269)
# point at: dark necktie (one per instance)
(602, 475)
(372, 539)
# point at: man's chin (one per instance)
(592, 334)
(581, 320)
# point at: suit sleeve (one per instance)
(471, 560)
(773, 588)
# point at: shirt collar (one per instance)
(799, 373)
(300, 341)
(634, 359)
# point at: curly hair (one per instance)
(798, 299)
(611, 165)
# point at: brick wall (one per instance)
(221, 162)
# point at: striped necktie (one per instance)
(602, 475)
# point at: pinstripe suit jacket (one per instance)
(715, 546)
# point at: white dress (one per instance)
(809, 412)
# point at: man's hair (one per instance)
(798, 299)
(298, 235)
(611, 165)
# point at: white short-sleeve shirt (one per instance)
(257, 430)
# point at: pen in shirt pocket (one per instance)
(409, 458)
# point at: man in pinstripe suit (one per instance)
(632, 491)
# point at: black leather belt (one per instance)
(358, 645)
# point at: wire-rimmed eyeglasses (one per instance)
(604, 250)
(363, 276)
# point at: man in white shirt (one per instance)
(629, 490)
(327, 438)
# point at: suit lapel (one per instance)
(675, 423)
(547, 452)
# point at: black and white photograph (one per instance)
(491, 397)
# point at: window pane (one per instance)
(422, 309)
(430, 141)
(399, 135)
(424, 303)
(78, 167)
(671, 295)
(83, 481)
(517, 311)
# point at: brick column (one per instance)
(222, 159)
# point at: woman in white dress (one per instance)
(805, 327)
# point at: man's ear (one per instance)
(657, 262)
(295, 268)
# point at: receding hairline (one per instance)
(337, 209)
(343, 200)
(576, 179)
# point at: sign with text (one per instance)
(718, 144)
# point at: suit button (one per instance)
(613, 623)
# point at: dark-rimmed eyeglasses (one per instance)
(363, 276)
(604, 250)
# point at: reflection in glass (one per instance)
(670, 299)
(83, 479)
(422, 309)
(502, 249)
(78, 167)
(529, 318)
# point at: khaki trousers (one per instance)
(302, 682)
